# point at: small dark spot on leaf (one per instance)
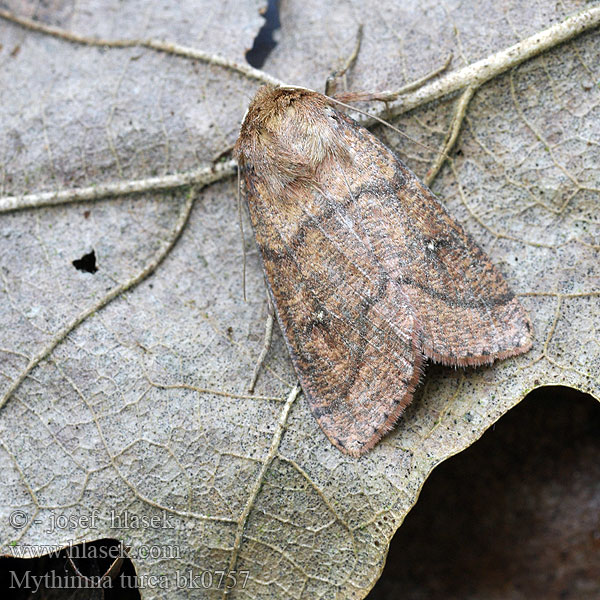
(87, 263)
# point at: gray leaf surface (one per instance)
(142, 408)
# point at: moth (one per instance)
(369, 274)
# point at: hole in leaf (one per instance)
(264, 42)
(513, 516)
(86, 263)
(53, 576)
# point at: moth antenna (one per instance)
(383, 122)
(239, 206)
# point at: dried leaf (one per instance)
(136, 398)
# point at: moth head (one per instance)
(287, 134)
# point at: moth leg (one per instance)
(390, 96)
(332, 80)
(417, 83)
(266, 344)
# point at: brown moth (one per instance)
(368, 273)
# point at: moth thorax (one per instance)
(309, 140)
